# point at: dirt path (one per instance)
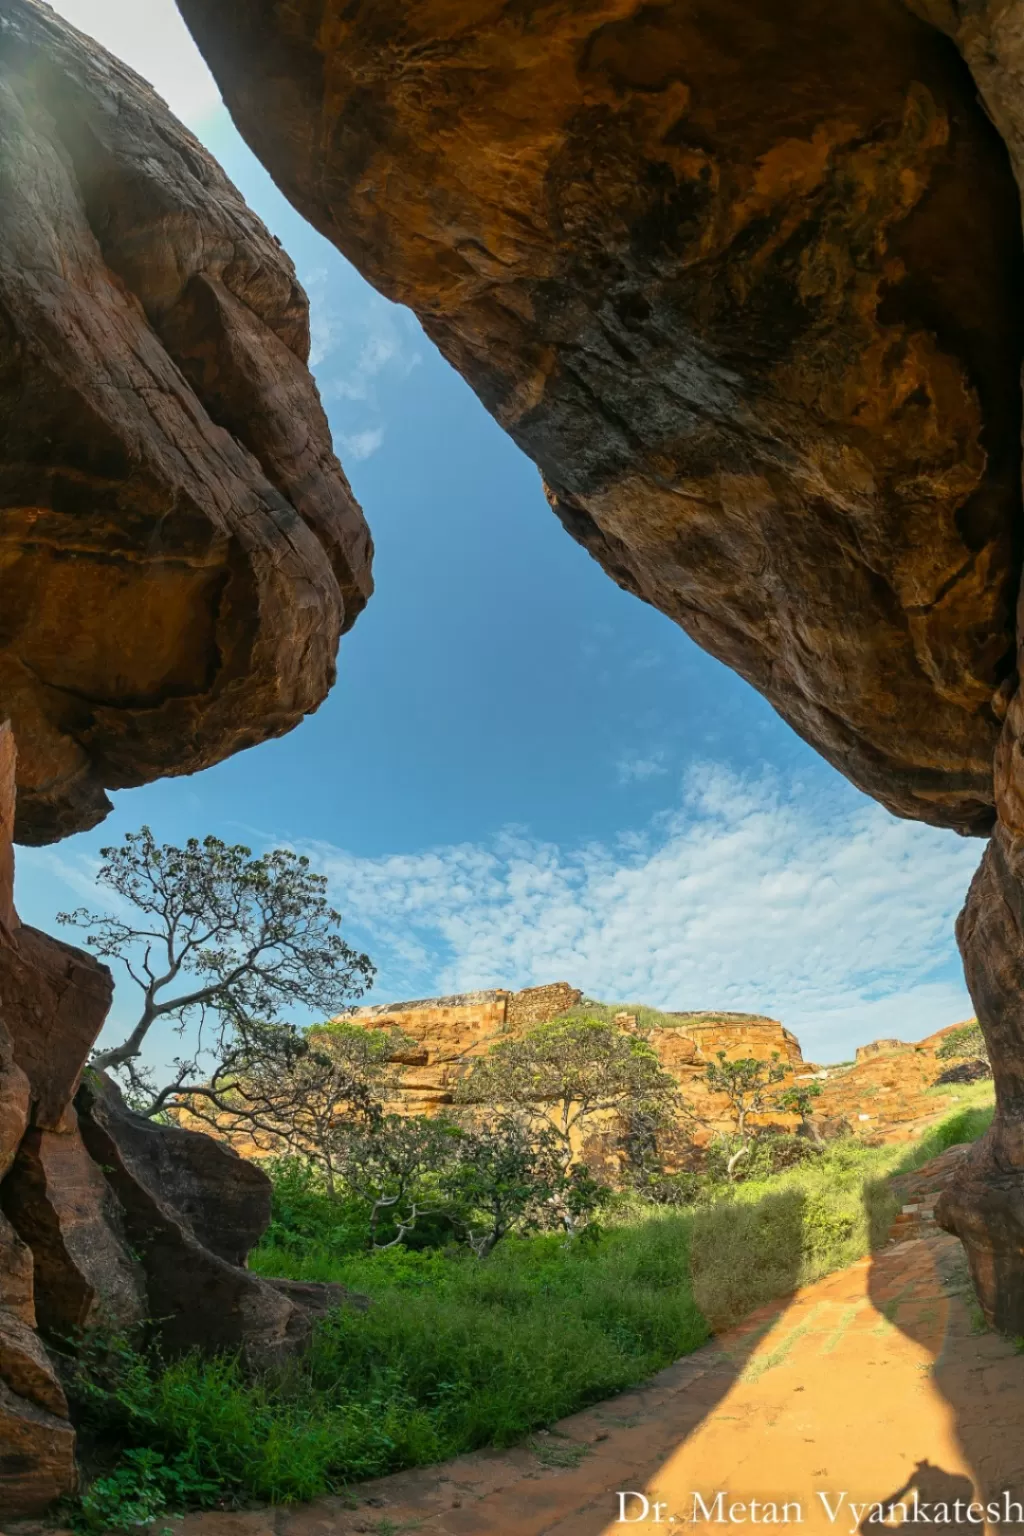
(865, 1387)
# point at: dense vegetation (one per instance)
(458, 1352)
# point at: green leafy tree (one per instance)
(799, 1100)
(397, 1164)
(222, 945)
(501, 1178)
(967, 1043)
(749, 1086)
(509, 1176)
(564, 1074)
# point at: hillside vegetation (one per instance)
(456, 1353)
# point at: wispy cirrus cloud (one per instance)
(637, 767)
(360, 345)
(361, 445)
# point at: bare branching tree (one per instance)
(304, 1103)
(223, 945)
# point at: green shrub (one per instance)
(457, 1353)
(965, 1043)
(141, 1488)
(305, 1216)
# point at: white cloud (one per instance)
(362, 445)
(822, 910)
(818, 908)
(357, 336)
(631, 768)
(359, 342)
(150, 36)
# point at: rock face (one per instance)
(879, 1048)
(179, 548)
(448, 1034)
(744, 285)
(198, 1298)
(59, 1202)
(984, 1205)
(223, 1201)
(54, 999)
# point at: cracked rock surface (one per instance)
(179, 547)
(744, 281)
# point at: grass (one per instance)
(653, 1018)
(456, 1354)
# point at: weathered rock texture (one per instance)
(879, 1048)
(105, 1219)
(61, 1206)
(984, 1205)
(179, 548)
(449, 1033)
(199, 1295)
(744, 283)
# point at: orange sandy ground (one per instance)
(872, 1383)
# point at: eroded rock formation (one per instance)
(179, 548)
(106, 1220)
(743, 279)
(984, 1204)
(445, 1036)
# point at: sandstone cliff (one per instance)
(450, 1033)
(743, 280)
(179, 548)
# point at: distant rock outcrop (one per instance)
(879, 1048)
(179, 548)
(450, 1033)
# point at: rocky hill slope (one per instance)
(887, 1094)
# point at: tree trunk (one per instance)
(984, 1205)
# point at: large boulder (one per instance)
(61, 1206)
(37, 1455)
(37, 1444)
(54, 1000)
(198, 1299)
(223, 1200)
(743, 280)
(984, 1202)
(179, 548)
(17, 1295)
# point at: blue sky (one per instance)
(524, 774)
